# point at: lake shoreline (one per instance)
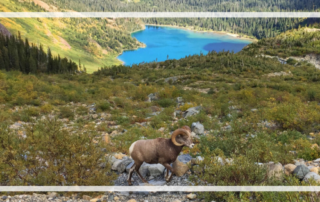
(184, 28)
(244, 37)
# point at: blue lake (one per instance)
(173, 43)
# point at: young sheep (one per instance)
(160, 150)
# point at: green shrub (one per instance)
(103, 106)
(66, 112)
(166, 102)
(50, 155)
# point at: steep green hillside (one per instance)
(95, 41)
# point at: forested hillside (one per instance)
(258, 28)
(17, 54)
(296, 42)
(96, 41)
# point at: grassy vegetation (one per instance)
(97, 42)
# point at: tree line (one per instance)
(19, 55)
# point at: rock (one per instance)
(156, 169)
(191, 196)
(300, 163)
(192, 111)
(106, 138)
(197, 160)
(275, 170)
(317, 160)
(254, 110)
(289, 168)
(116, 164)
(185, 158)
(179, 100)
(119, 156)
(176, 200)
(301, 171)
(86, 197)
(144, 171)
(132, 200)
(313, 175)
(95, 200)
(116, 198)
(313, 169)
(123, 165)
(94, 116)
(152, 97)
(197, 128)
(180, 168)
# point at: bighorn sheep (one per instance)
(160, 150)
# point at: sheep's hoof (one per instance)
(130, 183)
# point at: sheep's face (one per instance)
(185, 140)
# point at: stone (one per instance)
(185, 158)
(301, 171)
(191, 111)
(116, 198)
(123, 165)
(152, 97)
(156, 169)
(176, 200)
(144, 171)
(179, 168)
(179, 100)
(86, 197)
(95, 200)
(317, 160)
(289, 168)
(300, 163)
(197, 128)
(313, 169)
(191, 196)
(116, 164)
(119, 156)
(275, 171)
(197, 160)
(132, 200)
(311, 175)
(106, 138)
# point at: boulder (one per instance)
(152, 97)
(317, 160)
(116, 164)
(311, 175)
(197, 128)
(119, 156)
(179, 100)
(301, 171)
(275, 171)
(191, 196)
(289, 168)
(313, 169)
(300, 163)
(155, 169)
(184, 158)
(180, 168)
(192, 111)
(123, 165)
(197, 160)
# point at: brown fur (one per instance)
(159, 150)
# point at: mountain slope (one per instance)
(96, 42)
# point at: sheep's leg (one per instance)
(168, 167)
(130, 174)
(167, 173)
(137, 167)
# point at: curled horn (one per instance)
(177, 132)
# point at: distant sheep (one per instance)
(160, 150)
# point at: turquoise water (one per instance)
(164, 43)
